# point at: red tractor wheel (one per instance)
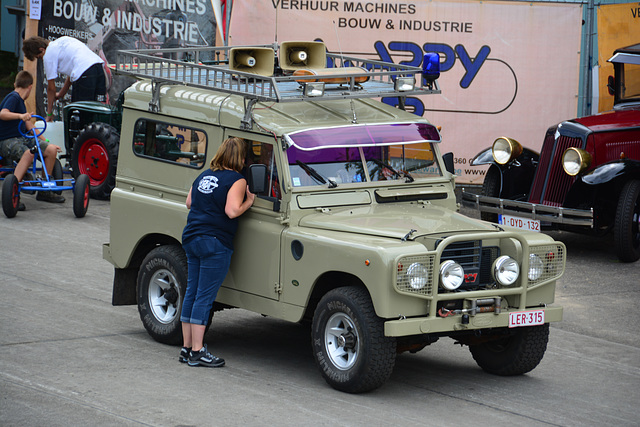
(95, 154)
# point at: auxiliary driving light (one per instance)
(506, 149)
(404, 84)
(506, 270)
(418, 275)
(451, 275)
(313, 89)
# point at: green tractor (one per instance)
(92, 139)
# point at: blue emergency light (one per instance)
(430, 68)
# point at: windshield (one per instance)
(362, 153)
(630, 82)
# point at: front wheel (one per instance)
(349, 345)
(162, 282)
(627, 226)
(515, 354)
(81, 196)
(10, 195)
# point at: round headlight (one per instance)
(575, 160)
(417, 275)
(536, 267)
(451, 275)
(505, 149)
(506, 270)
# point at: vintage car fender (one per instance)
(599, 189)
(611, 171)
(516, 176)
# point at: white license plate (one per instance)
(521, 223)
(526, 318)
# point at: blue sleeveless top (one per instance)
(208, 200)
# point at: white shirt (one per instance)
(68, 56)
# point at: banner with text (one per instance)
(507, 68)
(107, 26)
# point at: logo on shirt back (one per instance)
(208, 184)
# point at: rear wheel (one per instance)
(627, 227)
(162, 282)
(95, 153)
(349, 343)
(57, 174)
(81, 196)
(491, 188)
(515, 354)
(10, 195)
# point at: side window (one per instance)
(262, 153)
(169, 142)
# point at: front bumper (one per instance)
(543, 213)
(428, 325)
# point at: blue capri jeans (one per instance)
(208, 263)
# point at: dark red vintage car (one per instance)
(585, 179)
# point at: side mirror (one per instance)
(448, 162)
(257, 178)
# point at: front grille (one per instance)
(476, 261)
(551, 183)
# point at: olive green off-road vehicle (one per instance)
(354, 228)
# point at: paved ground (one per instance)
(69, 358)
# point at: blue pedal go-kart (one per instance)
(55, 182)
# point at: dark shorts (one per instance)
(14, 148)
(91, 86)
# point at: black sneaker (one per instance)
(21, 206)
(49, 196)
(184, 355)
(204, 358)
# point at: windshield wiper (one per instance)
(404, 174)
(315, 175)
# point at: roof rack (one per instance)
(208, 68)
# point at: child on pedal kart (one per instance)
(13, 145)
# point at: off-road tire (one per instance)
(372, 357)
(626, 231)
(10, 195)
(81, 196)
(162, 282)
(95, 153)
(515, 354)
(491, 188)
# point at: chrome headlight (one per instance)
(417, 275)
(536, 267)
(451, 275)
(505, 149)
(575, 160)
(506, 270)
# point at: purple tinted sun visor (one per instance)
(363, 136)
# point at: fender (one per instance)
(600, 189)
(516, 176)
(612, 171)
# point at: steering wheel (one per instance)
(36, 131)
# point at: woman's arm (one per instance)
(236, 202)
(189, 199)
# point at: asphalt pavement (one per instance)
(69, 358)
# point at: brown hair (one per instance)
(24, 79)
(31, 47)
(230, 155)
